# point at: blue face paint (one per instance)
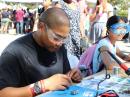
(120, 28)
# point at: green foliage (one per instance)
(28, 5)
(123, 13)
(122, 4)
(115, 2)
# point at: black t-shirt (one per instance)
(24, 62)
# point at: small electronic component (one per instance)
(74, 92)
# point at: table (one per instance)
(88, 86)
(117, 83)
(120, 83)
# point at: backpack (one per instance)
(87, 58)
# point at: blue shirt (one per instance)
(97, 58)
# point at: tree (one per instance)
(122, 5)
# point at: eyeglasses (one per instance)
(53, 36)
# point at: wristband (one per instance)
(43, 86)
(31, 89)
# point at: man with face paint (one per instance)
(37, 62)
(116, 29)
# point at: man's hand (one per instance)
(75, 75)
(57, 82)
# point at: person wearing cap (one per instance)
(37, 62)
(116, 29)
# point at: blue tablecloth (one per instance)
(82, 92)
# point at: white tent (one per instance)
(24, 1)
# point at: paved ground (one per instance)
(5, 39)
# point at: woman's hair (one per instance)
(98, 3)
(113, 20)
(125, 19)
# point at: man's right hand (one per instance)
(57, 82)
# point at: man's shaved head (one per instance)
(54, 17)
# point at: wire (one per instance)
(107, 76)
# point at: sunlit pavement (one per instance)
(5, 39)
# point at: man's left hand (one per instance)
(75, 75)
